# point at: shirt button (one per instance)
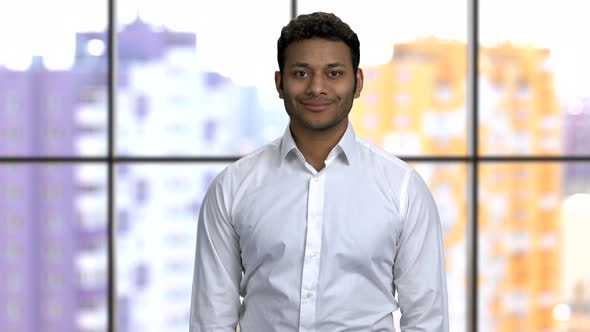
(316, 179)
(308, 295)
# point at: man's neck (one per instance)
(316, 145)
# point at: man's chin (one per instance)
(318, 126)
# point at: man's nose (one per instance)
(316, 86)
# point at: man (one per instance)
(319, 229)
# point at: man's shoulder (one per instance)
(371, 152)
(253, 161)
(267, 152)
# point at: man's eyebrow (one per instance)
(300, 64)
(335, 64)
(306, 65)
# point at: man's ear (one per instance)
(279, 83)
(359, 83)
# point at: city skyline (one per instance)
(160, 88)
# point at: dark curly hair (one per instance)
(318, 25)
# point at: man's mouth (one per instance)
(316, 106)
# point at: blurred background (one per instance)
(194, 91)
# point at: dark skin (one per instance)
(318, 89)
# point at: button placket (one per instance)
(313, 245)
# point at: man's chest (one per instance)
(352, 221)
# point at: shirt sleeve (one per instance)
(419, 271)
(215, 300)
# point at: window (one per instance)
(105, 156)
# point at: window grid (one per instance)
(471, 229)
(111, 226)
(473, 161)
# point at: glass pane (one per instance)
(415, 66)
(53, 255)
(156, 210)
(447, 181)
(197, 77)
(53, 78)
(534, 77)
(534, 222)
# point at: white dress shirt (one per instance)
(319, 251)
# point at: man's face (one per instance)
(318, 83)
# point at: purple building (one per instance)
(42, 237)
(39, 233)
(19, 256)
(577, 143)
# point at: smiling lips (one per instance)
(317, 106)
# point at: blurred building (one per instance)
(415, 105)
(576, 140)
(519, 210)
(53, 250)
(52, 255)
(168, 105)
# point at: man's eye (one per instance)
(301, 74)
(334, 73)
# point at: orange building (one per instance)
(415, 105)
(520, 116)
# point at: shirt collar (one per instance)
(347, 144)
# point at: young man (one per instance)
(319, 229)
